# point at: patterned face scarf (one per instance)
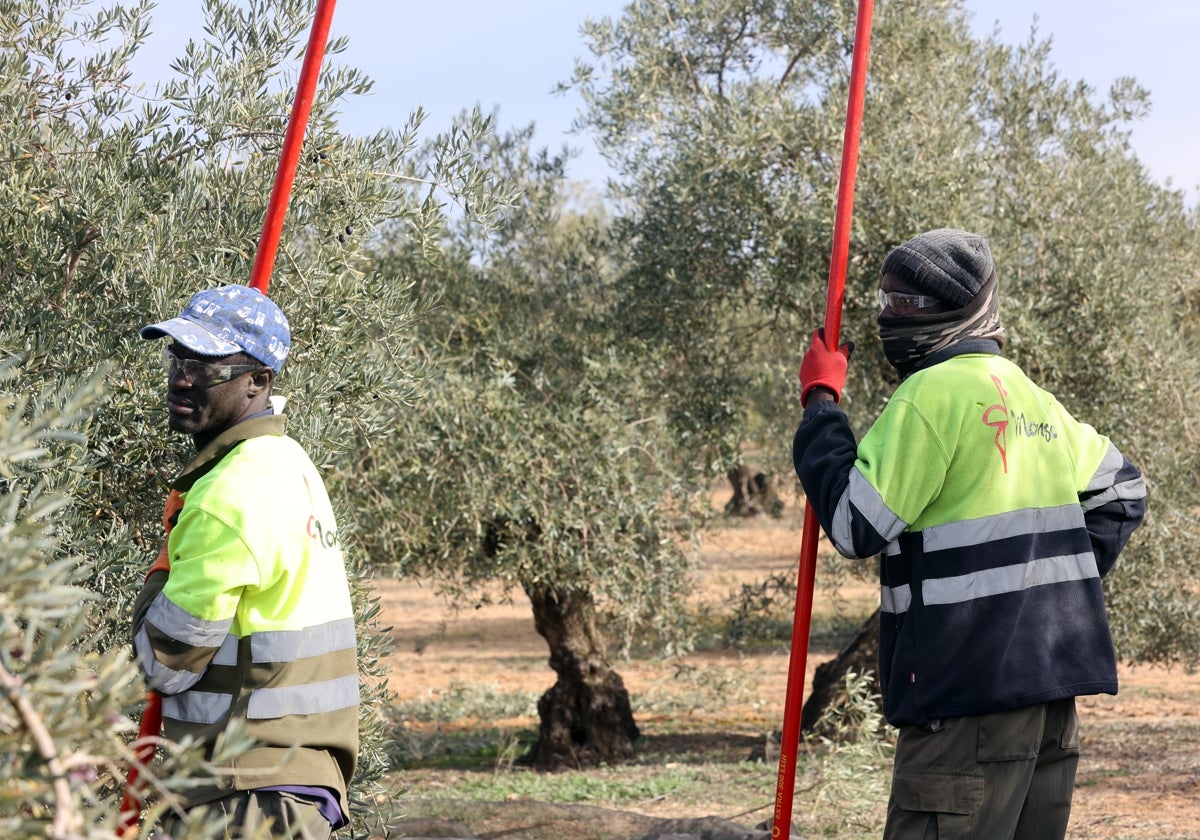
(911, 340)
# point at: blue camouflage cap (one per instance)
(226, 320)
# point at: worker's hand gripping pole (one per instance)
(260, 278)
(781, 823)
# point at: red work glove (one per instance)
(824, 367)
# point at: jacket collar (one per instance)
(223, 444)
(970, 345)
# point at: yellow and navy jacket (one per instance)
(996, 514)
(254, 620)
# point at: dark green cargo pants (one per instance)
(1005, 776)
(262, 815)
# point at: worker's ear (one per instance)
(260, 381)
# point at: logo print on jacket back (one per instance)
(999, 417)
(999, 422)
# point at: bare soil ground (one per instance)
(1139, 775)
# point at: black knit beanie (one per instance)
(952, 265)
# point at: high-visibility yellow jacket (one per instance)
(254, 620)
(996, 514)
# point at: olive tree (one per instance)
(62, 716)
(538, 460)
(119, 200)
(723, 121)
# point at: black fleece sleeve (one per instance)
(154, 583)
(1111, 523)
(823, 452)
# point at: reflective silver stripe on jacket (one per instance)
(895, 599)
(204, 707)
(987, 529)
(870, 505)
(310, 699)
(208, 707)
(161, 678)
(1105, 485)
(1016, 578)
(184, 627)
(290, 645)
(228, 653)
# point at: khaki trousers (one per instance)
(1004, 776)
(262, 815)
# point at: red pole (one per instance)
(148, 729)
(293, 139)
(260, 278)
(781, 824)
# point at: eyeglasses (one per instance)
(203, 374)
(904, 302)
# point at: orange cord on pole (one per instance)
(293, 140)
(260, 278)
(781, 824)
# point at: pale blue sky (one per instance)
(454, 54)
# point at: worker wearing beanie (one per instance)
(247, 618)
(995, 514)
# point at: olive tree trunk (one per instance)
(860, 655)
(586, 717)
(753, 493)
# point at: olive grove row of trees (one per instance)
(721, 119)
(534, 396)
(119, 202)
(682, 318)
